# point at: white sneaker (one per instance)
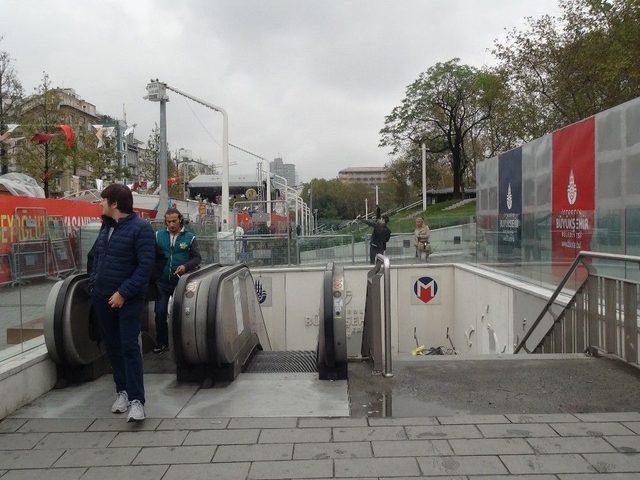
(121, 404)
(136, 411)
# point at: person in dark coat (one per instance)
(122, 262)
(379, 236)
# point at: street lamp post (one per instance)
(424, 177)
(156, 92)
(315, 223)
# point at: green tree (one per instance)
(148, 166)
(400, 186)
(563, 69)
(335, 199)
(449, 108)
(10, 95)
(41, 161)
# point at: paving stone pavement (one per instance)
(593, 446)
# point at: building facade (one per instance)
(73, 110)
(367, 175)
(286, 170)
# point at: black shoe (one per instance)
(161, 348)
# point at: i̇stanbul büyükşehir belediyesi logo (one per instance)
(426, 289)
(572, 189)
(509, 198)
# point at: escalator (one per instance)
(217, 330)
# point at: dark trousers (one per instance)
(373, 251)
(120, 330)
(161, 307)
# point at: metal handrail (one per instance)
(382, 263)
(578, 260)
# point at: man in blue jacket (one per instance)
(123, 259)
(181, 252)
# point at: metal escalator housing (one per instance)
(332, 333)
(217, 323)
(71, 331)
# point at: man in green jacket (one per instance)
(181, 252)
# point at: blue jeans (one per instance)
(120, 330)
(162, 329)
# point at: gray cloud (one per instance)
(310, 80)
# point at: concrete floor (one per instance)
(429, 386)
(437, 417)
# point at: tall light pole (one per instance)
(377, 202)
(156, 92)
(424, 176)
(366, 208)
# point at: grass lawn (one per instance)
(435, 216)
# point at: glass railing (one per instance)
(534, 247)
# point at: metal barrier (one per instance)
(602, 315)
(5, 269)
(30, 260)
(324, 248)
(62, 256)
(263, 250)
(376, 337)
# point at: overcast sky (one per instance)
(310, 81)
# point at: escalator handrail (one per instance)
(59, 315)
(328, 320)
(176, 313)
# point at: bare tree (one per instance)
(10, 93)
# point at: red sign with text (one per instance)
(573, 192)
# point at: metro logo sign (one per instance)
(425, 289)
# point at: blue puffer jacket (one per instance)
(124, 261)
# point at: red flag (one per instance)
(42, 137)
(68, 133)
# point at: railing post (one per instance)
(353, 249)
(592, 311)
(388, 362)
(610, 316)
(630, 296)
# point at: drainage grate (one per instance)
(275, 362)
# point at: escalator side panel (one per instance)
(183, 322)
(235, 339)
(332, 350)
(79, 346)
(55, 351)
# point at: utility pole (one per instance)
(366, 208)
(424, 176)
(164, 168)
(377, 202)
(156, 92)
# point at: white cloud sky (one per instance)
(308, 80)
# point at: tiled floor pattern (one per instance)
(594, 446)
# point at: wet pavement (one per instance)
(428, 386)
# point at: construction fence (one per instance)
(36, 246)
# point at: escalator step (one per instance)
(276, 362)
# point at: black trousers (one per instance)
(373, 251)
(120, 330)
